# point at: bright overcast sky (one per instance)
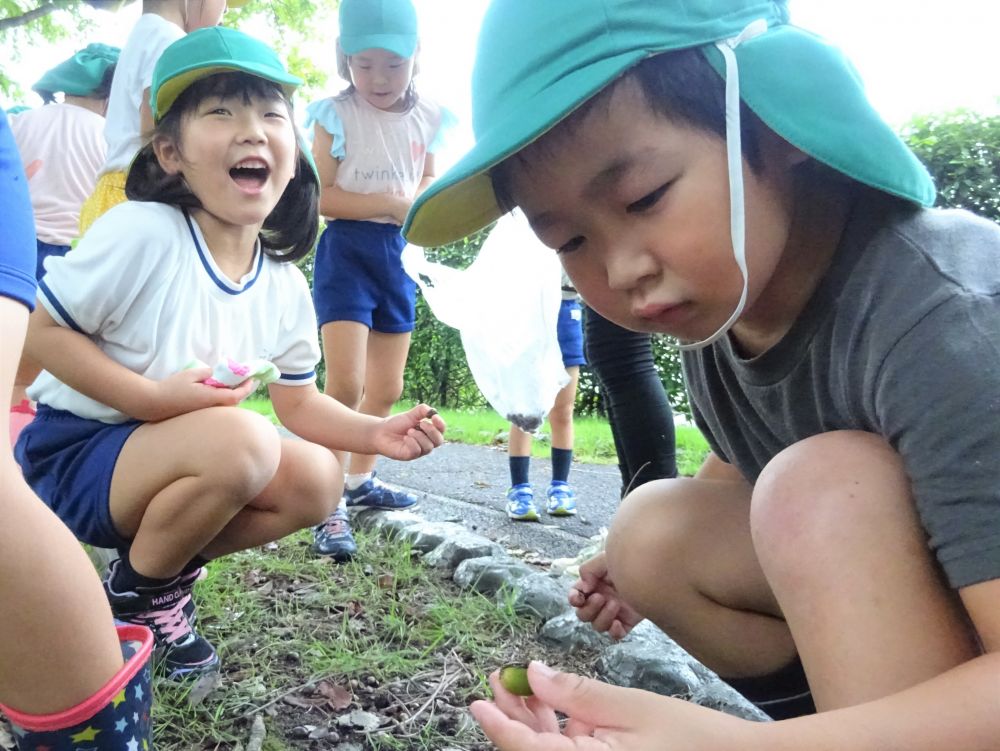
(914, 55)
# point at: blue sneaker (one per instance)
(333, 537)
(373, 493)
(560, 499)
(521, 503)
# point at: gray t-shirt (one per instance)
(901, 339)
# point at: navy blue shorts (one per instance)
(47, 250)
(569, 332)
(68, 461)
(358, 276)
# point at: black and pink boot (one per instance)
(116, 718)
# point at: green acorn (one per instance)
(514, 678)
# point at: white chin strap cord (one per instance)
(734, 155)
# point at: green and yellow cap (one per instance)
(210, 51)
(206, 52)
(537, 61)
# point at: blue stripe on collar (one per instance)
(222, 284)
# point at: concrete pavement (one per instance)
(467, 484)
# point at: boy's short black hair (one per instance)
(289, 232)
(680, 86)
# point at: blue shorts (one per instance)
(47, 250)
(569, 332)
(359, 276)
(68, 461)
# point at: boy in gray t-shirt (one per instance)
(709, 171)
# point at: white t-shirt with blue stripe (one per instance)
(143, 286)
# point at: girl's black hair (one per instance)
(680, 86)
(289, 232)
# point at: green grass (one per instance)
(284, 621)
(593, 441)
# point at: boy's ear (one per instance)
(167, 154)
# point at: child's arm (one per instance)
(79, 363)
(322, 419)
(958, 710)
(428, 177)
(337, 203)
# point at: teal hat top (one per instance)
(80, 75)
(378, 24)
(211, 50)
(538, 61)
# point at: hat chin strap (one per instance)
(734, 157)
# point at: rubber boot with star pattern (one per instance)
(116, 718)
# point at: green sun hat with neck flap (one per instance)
(80, 75)
(537, 61)
(212, 50)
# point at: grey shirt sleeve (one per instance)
(937, 400)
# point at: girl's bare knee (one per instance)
(319, 484)
(242, 454)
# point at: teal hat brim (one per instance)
(171, 88)
(404, 45)
(808, 92)
(802, 88)
(462, 201)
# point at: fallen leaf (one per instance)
(337, 696)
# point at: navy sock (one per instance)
(127, 579)
(562, 459)
(194, 564)
(519, 469)
(782, 694)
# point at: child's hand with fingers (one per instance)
(410, 434)
(598, 603)
(601, 717)
(184, 392)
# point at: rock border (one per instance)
(646, 659)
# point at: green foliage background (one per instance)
(962, 151)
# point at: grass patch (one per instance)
(593, 440)
(304, 642)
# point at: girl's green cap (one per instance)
(538, 60)
(80, 75)
(208, 51)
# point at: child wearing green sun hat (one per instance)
(711, 172)
(130, 448)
